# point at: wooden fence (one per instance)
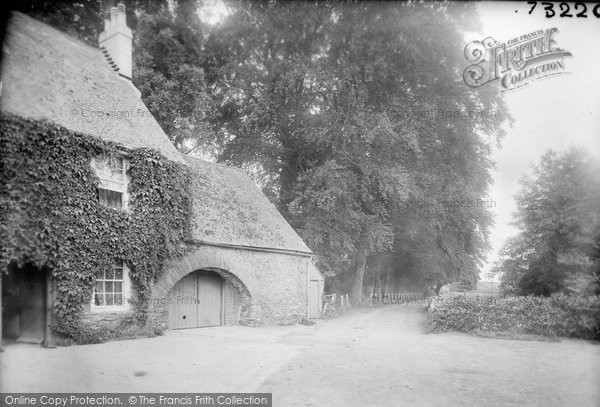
(333, 303)
(396, 298)
(476, 294)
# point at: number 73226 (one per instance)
(564, 9)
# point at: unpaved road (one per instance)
(378, 357)
(383, 358)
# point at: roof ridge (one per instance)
(213, 163)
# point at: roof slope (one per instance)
(46, 74)
(230, 209)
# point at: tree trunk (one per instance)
(390, 281)
(288, 179)
(359, 272)
(378, 285)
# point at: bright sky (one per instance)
(555, 112)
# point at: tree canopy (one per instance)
(345, 113)
(558, 215)
(346, 110)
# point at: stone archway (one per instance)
(208, 297)
(236, 298)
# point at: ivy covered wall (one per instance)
(51, 217)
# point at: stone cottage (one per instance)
(247, 265)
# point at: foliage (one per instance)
(558, 246)
(335, 106)
(343, 112)
(82, 19)
(167, 58)
(558, 315)
(168, 71)
(579, 315)
(51, 216)
(92, 334)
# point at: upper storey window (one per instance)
(111, 170)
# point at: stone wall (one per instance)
(236, 304)
(260, 287)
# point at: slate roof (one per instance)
(47, 74)
(231, 209)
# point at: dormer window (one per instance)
(112, 171)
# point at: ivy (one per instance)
(51, 216)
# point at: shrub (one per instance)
(559, 315)
(579, 315)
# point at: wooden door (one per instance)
(209, 299)
(183, 308)
(314, 299)
(196, 301)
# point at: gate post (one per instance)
(48, 338)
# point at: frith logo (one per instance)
(515, 63)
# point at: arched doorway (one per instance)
(196, 301)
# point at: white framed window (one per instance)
(112, 171)
(112, 289)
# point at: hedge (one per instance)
(558, 315)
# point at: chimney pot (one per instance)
(121, 15)
(113, 16)
(116, 41)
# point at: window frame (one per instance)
(111, 184)
(125, 292)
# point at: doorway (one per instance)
(24, 304)
(196, 301)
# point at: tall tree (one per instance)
(266, 75)
(326, 100)
(558, 214)
(168, 71)
(342, 111)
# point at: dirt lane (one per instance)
(221, 359)
(373, 357)
(383, 358)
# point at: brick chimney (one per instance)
(116, 41)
